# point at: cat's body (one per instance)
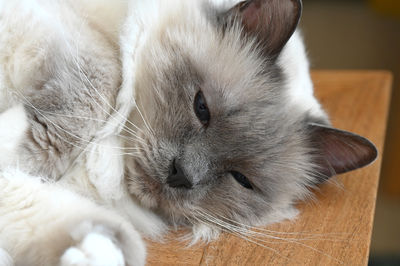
(49, 65)
(72, 72)
(68, 87)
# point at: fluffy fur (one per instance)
(97, 99)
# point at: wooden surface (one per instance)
(333, 229)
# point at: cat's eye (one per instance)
(201, 108)
(241, 179)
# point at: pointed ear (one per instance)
(272, 22)
(339, 151)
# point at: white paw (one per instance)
(94, 250)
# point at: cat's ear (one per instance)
(338, 151)
(271, 22)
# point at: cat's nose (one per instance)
(177, 177)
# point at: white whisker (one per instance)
(249, 234)
(73, 135)
(241, 236)
(277, 232)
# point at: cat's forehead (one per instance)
(239, 87)
(222, 64)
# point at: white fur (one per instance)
(3, 92)
(203, 232)
(94, 250)
(294, 62)
(107, 15)
(105, 167)
(13, 125)
(5, 259)
(143, 219)
(99, 173)
(225, 4)
(22, 45)
(37, 219)
(141, 16)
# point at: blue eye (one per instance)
(241, 179)
(201, 109)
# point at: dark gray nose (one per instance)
(177, 177)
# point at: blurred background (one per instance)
(365, 34)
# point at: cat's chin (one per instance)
(203, 233)
(278, 215)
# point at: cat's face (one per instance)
(217, 133)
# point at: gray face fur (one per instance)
(252, 130)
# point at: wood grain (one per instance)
(334, 228)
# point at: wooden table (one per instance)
(336, 227)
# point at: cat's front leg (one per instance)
(45, 224)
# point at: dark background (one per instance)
(362, 34)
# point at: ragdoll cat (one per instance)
(121, 117)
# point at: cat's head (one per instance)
(217, 132)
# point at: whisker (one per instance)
(144, 121)
(278, 232)
(136, 137)
(105, 101)
(71, 134)
(249, 235)
(244, 237)
(81, 73)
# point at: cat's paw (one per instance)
(105, 243)
(94, 250)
